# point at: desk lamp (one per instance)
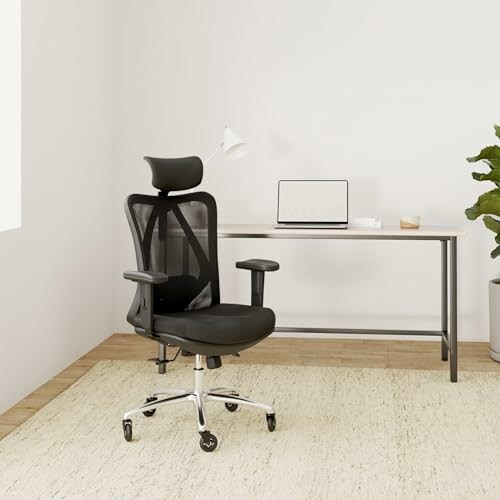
(232, 146)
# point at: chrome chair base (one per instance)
(227, 395)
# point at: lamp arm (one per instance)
(212, 156)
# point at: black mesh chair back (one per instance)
(176, 235)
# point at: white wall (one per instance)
(391, 95)
(55, 287)
(10, 115)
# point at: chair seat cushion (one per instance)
(221, 324)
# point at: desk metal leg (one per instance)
(444, 299)
(453, 309)
(162, 356)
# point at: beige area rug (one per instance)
(341, 433)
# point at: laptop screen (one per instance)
(312, 202)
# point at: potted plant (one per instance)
(488, 205)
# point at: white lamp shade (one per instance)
(233, 146)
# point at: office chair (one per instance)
(177, 301)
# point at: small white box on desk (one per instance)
(369, 222)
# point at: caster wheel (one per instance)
(271, 422)
(150, 413)
(208, 442)
(231, 407)
(127, 429)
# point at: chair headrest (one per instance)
(175, 174)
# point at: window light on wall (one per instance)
(10, 114)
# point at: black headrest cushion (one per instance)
(175, 174)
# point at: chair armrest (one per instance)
(258, 265)
(145, 281)
(146, 277)
(258, 268)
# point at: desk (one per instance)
(449, 326)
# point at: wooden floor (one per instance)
(473, 356)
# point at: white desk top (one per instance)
(385, 232)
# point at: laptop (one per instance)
(308, 204)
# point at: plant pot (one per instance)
(495, 319)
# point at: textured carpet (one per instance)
(341, 433)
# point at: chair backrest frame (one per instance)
(176, 235)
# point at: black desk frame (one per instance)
(449, 325)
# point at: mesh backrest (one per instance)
(177, 235)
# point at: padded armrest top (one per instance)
(258, 265)
(151, 277)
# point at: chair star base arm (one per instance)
(198, 396)
(258, 268)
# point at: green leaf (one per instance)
(497, 239)
(487, 203)
(493, 176)
(472, 213)
(490, 153)
(495, 252)
(497, 131)
(492, 163)
(492, 224)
